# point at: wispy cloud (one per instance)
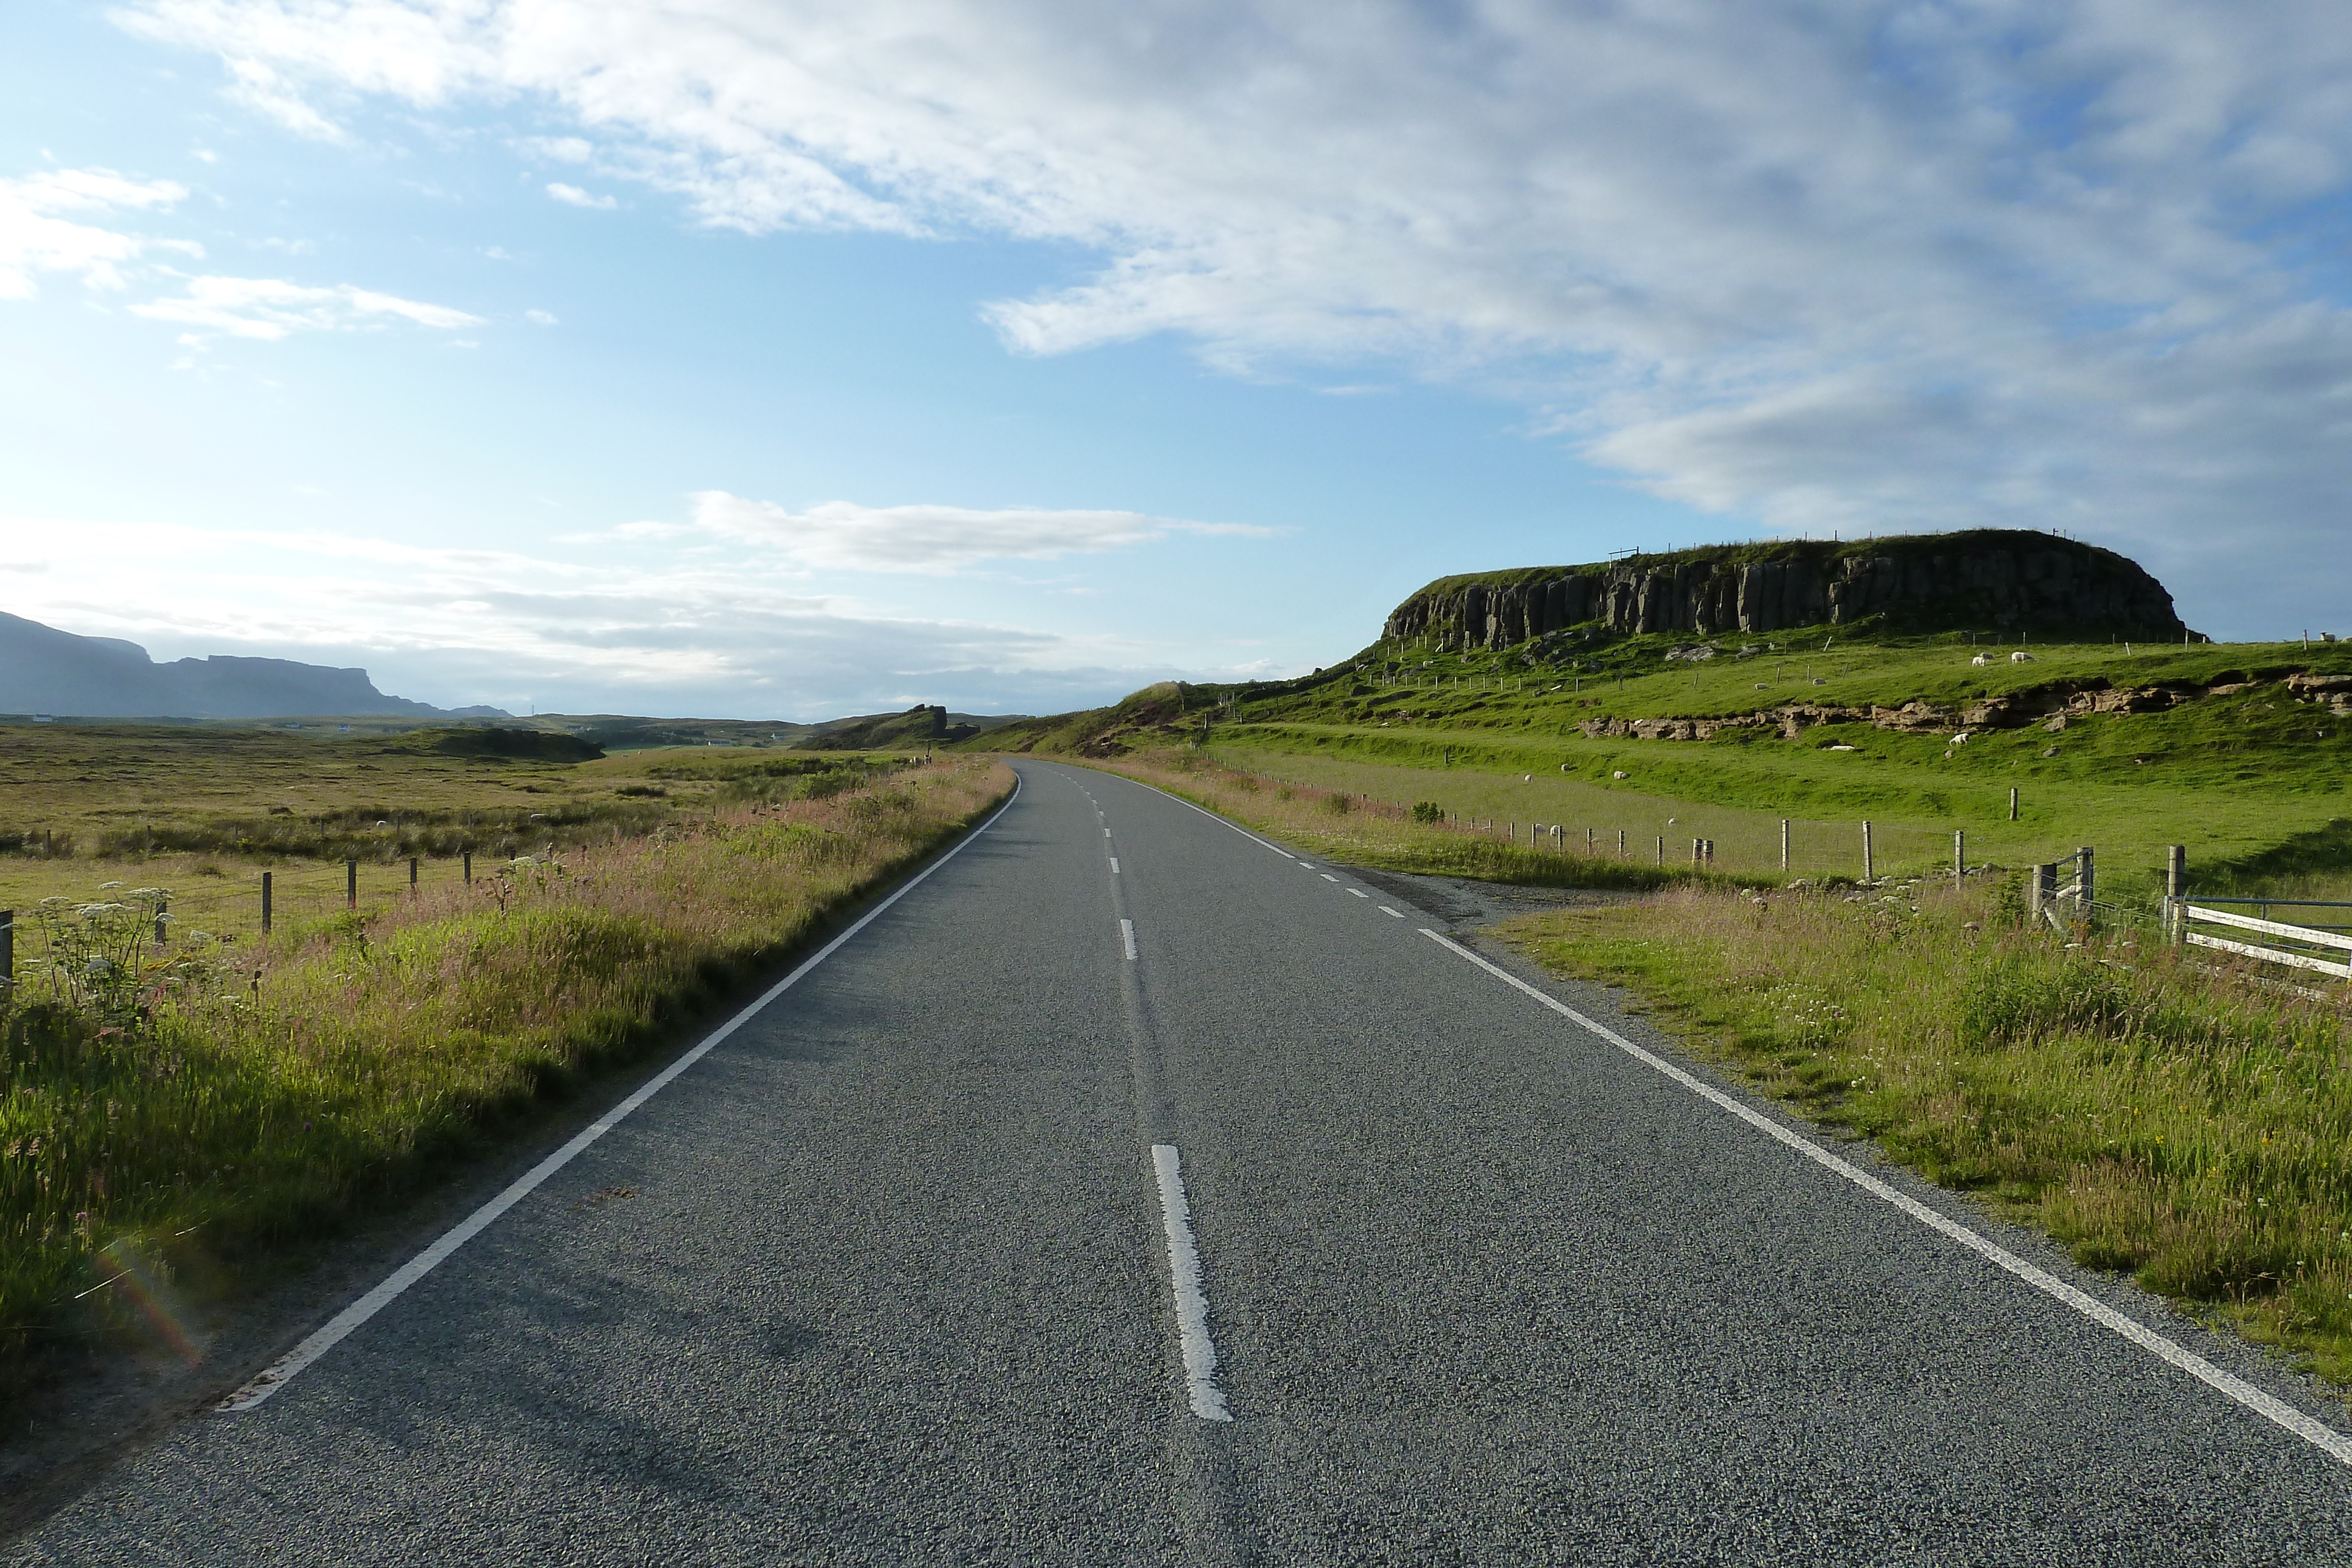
(931, 539)
(573, 196)
(2080, 262)
(269, 308)
(43, 228)
(583, 629)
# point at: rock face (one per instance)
(45, 671)
(1989, 581)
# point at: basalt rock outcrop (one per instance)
(2050, 706)
(1987, 580)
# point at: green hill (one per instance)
(2238, 750)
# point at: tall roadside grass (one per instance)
(267, 1094)
(2158, 1113)
(1354, 828)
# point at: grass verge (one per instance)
(1343, 825)
(2187, 1123)
(339, 1067)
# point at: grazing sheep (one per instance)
(2021, 657)
(1979, 659)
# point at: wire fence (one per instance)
(238, 908)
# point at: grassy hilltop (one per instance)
(2225, 747)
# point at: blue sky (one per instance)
(774, 358)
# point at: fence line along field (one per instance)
(173, 1114)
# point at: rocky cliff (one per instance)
(1985, 580)
(45, 671)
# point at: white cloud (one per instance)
(2078, 262)
(539, 317)
(35, 235)
(578, 632)
(573, 196)
(269, 308)
(929, 540)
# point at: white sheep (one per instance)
(1979, 659)
(2021, 657)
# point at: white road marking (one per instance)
(1106, 833)
(1390, 912)
(286, 1368)
(1360, 893)
(1235, 826)
(2326, 1438)
(1200, 1390)
(1328, 877)
(1127, 934)
(1114, 865)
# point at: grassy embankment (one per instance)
(1341, 825)
(2253, 782)
(243, 1095)
(2186, 1122)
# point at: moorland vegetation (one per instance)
(186, 1101)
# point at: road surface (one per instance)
(1130, 1191)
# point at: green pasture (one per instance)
(2252, 782)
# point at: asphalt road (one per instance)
(886, 1278)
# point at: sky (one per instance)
(790, 359)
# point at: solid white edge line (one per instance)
(278, 1374)
(1126, 937)
(2326, 1438)
(1207, 1400)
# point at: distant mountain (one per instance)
(45, 671)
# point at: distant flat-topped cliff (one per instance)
(45, 671)
(1987, 580)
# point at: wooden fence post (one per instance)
(2012, 802)
(1959, 854)
(1784, 843)
(163, 913)
(469, 868)
(1868, 871)
(264, 903)
(2082, 879)
(1662, 851)
(2041, 884)
(412, 876)
(351, 884)
(7, 952)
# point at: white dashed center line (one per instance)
(1114, 865)
(1200, 1390)
(1360, 893)
(1126, 935)
(1328, 877)
(1390, 912)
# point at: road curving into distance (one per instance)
(1129, 1190)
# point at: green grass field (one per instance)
(177, 1113)
(2253, 781)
